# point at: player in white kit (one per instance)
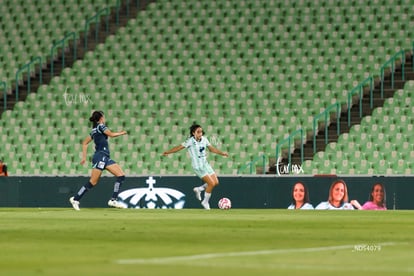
(197, 145)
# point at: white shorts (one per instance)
(203, 171)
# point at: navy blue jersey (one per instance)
(100, 138)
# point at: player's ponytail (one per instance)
(96, 116)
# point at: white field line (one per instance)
(176, 259)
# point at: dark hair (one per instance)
(306, 195)
(96, 116)
(193, 128)
(370, 198)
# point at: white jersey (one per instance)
(306, 206)
(197, 151)
(327, 206)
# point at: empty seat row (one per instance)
(244, 106)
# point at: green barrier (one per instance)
(262, 191)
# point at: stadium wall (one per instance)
(176, 191)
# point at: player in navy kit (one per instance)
(101, 160)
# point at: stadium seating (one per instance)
(381, 144)
(31, 28)
(250, 72)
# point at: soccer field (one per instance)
(58, 241)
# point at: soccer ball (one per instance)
(224, 203)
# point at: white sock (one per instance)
(206, 197)
(202, 187)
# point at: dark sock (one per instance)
(117, 186)
(82, 191)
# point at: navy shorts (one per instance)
(101, 160)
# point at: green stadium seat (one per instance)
(173, 51)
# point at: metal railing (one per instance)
(62, 44)
(27, 67)
(96, 19)
(360, 89)
(4, 85)
(251, 164)
(127, 6)
(391, 63)
(326, 113)
(289, 140)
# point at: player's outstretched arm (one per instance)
(114, 134)
(173, 150)
(217, 151)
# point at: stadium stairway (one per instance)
(96, 35)
(378, 101)
(199, 83)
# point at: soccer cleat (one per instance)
(75, 203)
(206, 205)
(115, 204)
(197, 193)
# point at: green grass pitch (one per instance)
(59, 241)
